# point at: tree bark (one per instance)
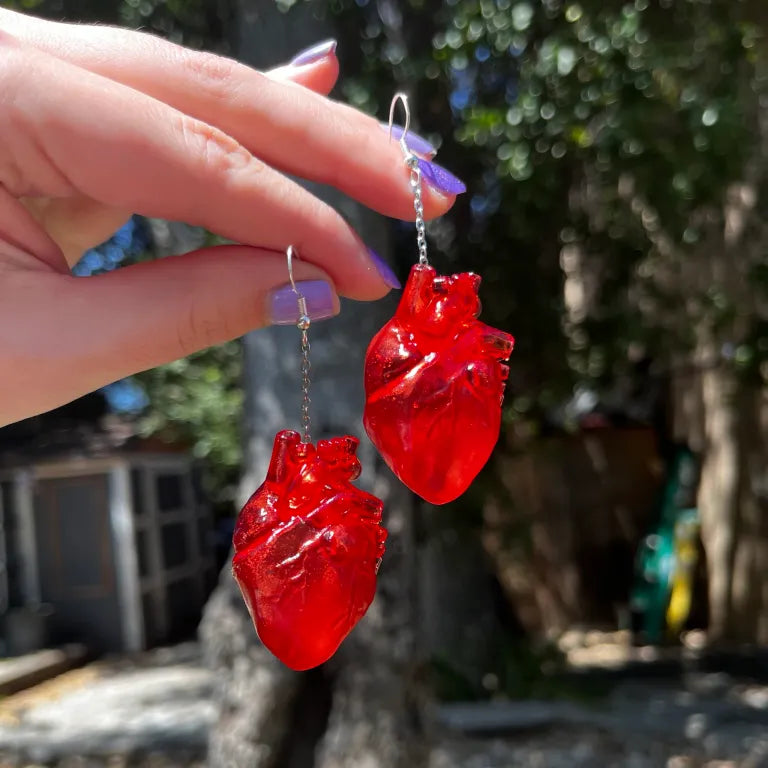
(718, 495)
(749, 586)
(732, 500)
(734, 508)
(370, 724)
(373, 719)
(255, 692)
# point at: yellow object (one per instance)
(686, 556)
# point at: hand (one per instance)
(97, 123)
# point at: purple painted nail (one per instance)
(441, 179)
(413, 141)
(384, 270)
(283, 303)
(315, 53)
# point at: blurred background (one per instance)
(600, 595)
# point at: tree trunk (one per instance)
(718, 495)
(733, 504)
(255, 692)
(373, 719)
(749, 588)
(369, 724)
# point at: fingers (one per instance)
(110, 326)
(286, 125)
(84, 135)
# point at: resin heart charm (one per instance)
(308, 545)
(434, 383)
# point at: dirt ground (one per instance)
(155, 710)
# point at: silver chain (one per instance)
(302, 324)
(306, 368)
(421, 235)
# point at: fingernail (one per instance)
(413, 141)
(283, 302)
(441, 179)
(315, 53)
(387, 275)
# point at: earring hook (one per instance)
(289, 254)
(403, 99)
(303, 324)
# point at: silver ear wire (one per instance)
(412, 161)
(403, 99)
(302, 324)
(304, 321)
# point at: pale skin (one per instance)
(98, 123)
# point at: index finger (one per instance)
(289, 127)
(85, 135)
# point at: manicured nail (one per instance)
(283, 305)
(441, 179)
(387, 275)
(315, 53)
(413, 141)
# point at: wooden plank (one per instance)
(22, 672)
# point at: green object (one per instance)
(667, 556)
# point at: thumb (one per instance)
(80, 333)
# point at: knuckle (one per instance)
(213, 76)
(219, 154)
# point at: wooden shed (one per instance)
(104, 535)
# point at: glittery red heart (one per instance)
(434, 383)
(307, 548)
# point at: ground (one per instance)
(702, 721)
(151, 710)
(154, 711)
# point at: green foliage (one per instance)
(598, 142)
(198, 400)
(195, 23)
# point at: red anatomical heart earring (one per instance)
(434, 374)
(308, 543)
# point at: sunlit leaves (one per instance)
(198, 401)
